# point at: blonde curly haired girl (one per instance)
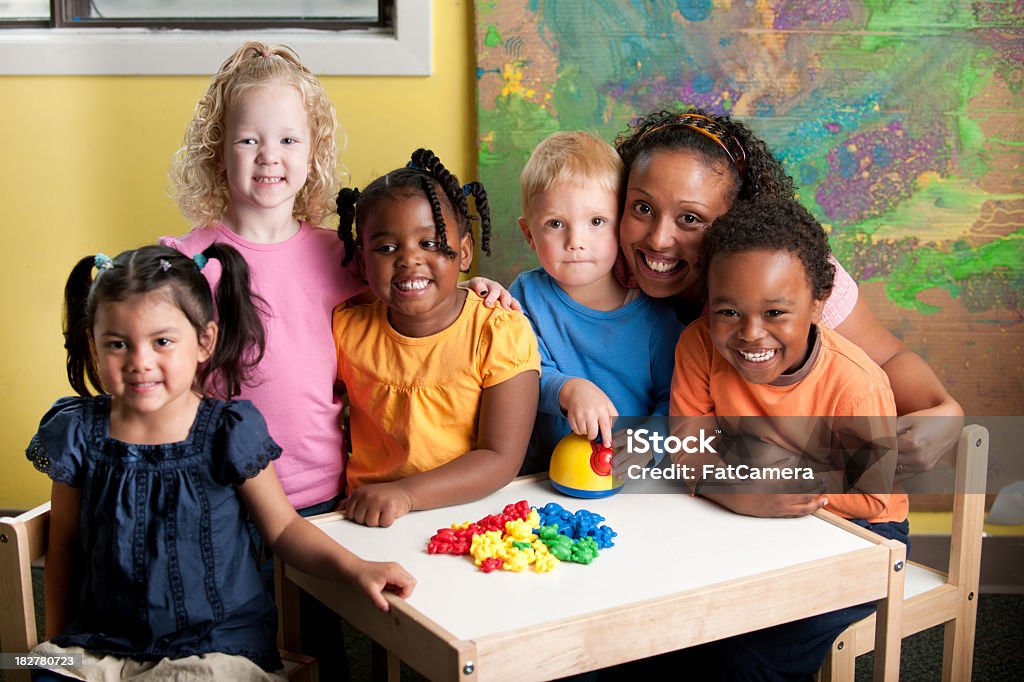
(199, 182)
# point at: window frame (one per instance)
(404, 49)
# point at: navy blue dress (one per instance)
(169, 568)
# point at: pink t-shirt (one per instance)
(302, 280)
(844, 297)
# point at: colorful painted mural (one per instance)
(902, 123)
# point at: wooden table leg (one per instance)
(889, 617)
(386, 666)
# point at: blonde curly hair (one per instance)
(198, 182)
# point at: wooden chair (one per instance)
(931, 597)
(22, 541)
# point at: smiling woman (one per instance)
(671, 198)
(686, 168)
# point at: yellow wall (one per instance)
(85, 170)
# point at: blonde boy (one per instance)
(605, 350)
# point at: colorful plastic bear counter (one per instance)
(522, 536)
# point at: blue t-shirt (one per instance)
(168, 564)
(629, 353)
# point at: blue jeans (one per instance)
(791, 652)
(319, 626)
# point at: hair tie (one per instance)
(467, 189)
(200, 261)
(413, 165)
(165, 265)
(101, 261)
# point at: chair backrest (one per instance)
(931, 597)
(969, 506)
(22, 541)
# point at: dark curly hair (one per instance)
(720, 140)
(776, 224)
(425, 174)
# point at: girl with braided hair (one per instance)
(684, 169)
(443, 389)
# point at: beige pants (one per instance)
(215, 666)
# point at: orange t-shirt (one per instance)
(839, 387)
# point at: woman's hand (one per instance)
(378, 504)
(924, 437)
(492, 293)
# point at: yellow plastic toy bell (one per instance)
(582, 468)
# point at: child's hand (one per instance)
(624, 457)
(769, 498)
(378, 504)
(377, 577)
(492, 292)
(771, 505)
(589, 410)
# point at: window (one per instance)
(198, 14)
(180, 37)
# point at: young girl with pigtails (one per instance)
(443, 389)
(150, 569)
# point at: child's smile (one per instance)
(406, 267)
(761, 311)
(267, 148)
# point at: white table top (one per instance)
(667, 544)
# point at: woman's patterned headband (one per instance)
(712, 129)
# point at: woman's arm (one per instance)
(507, 413)
(62, 575)
(930, 419)
(304, 546)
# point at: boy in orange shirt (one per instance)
(806, 396)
